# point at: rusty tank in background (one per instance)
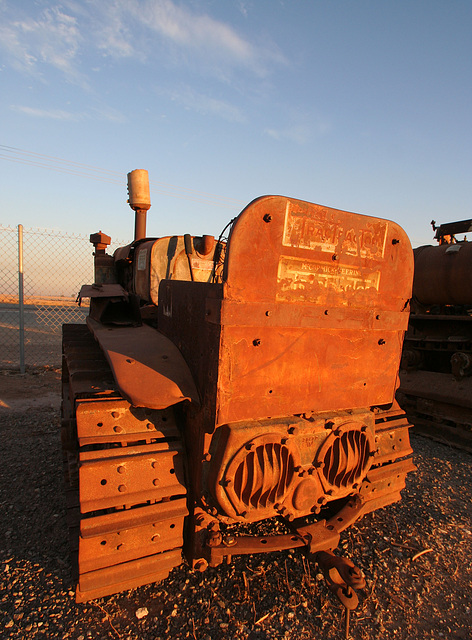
(436, 376)
(220, 384)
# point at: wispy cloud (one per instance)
(61, 35)
(301, 130)
(51, 114)
(204, 104)
(111, 115)
(53, 39)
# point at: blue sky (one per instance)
(358, 105)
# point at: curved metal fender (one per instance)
(148, 368)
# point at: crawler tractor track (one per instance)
(124, 473)
(439, 406)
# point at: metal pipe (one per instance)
(21, 299)
(140, 223)
(139, 199)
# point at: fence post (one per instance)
(21, 299)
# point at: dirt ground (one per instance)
(37, 389)
(416, 556)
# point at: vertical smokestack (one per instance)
(139, 199)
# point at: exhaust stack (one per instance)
(139, 199)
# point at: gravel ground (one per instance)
(260, 597)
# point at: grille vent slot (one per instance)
(346, 459)
(263, 475)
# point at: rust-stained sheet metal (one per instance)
(443, 274)
(102, 291)
(148, 368)
(313, 314)
(126, 464)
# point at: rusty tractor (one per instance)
(436, 382)
(219, 384)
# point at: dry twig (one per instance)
(421, 553)
(107, 616)
(262, 619)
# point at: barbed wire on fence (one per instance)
(55, 265)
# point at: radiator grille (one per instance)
(263, 476)
(346, 459)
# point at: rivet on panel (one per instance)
(115, 414)
(121, 469)
(122, 488)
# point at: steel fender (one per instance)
(148, 368)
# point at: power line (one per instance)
(61, 165)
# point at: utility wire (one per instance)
(61, 165)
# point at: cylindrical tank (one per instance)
(138, 189)
(443, 274)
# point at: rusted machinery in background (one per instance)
(436, 382)
(220, 384)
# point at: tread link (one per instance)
(124, 473)
(439, 406)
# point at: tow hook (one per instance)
(342, 578)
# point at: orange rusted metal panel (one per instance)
(329, 294)
(148, 368)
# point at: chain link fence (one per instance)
(55, 265)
